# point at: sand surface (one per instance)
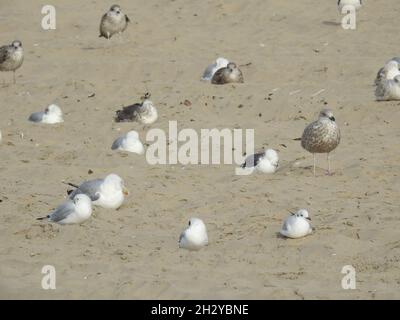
(296, 46)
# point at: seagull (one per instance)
(108, 193)
(389, 71)
(321, 136)
(145, 112)
(266, 161)
(212, 68)
(75, 210)
(112, 22)
(11, 57)
(51, 115)
(194, 237)
(230, 74)
(297, 225)
(129, 142)
(388, 89)
(355, 3)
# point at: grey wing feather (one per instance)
(117, 143)
(36, 117)
(285, 226)
(61, 212)
(181, 236)
(207, 75)
(90, 188)
(253, 160)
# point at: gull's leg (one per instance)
(314, 163)
(329, 164)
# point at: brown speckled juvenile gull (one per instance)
(145, 112)
(11, 57)
(321, 136)
(113, 21)
(231, 73)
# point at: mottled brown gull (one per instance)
(321, 136)
(112, 22)
(230, 74)
(11, 57)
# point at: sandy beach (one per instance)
(296, 50)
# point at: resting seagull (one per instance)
(129, 142)
(212, 68)
(266, 162)
(75, 210)
(297, 225)
(194, 237)
(108, 193)
(51, 115)
(388, 90)
(145, 112)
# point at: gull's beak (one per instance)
(125, 191)
(292, 213)
(308, 218)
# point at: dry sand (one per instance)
(133, 252)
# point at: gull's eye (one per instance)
(189, 223)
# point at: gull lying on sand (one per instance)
(212, 68)
(129, 142)
(388, 90)
(108, 193)
(145, 112)
(265, 162)
(51, 115)
(297, 225)
(230, 74)
(194, 237)
(75, 210)
(389, 71)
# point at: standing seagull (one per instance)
(76, 210)
(231, 73)
(321, 136)
(113, 21)
(11, 57)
